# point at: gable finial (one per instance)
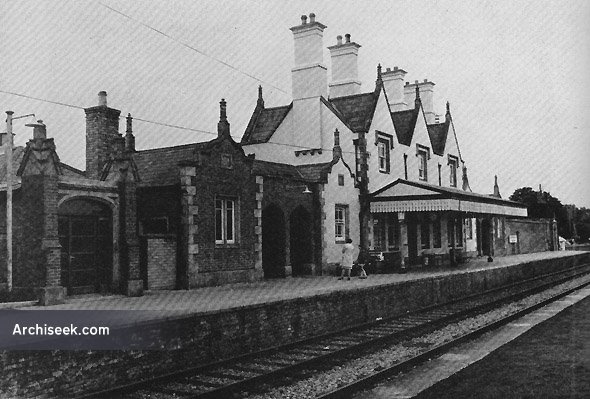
(496, 188)
(379, 80)
(129, 137)
(448, 107)
(260, 99)
(336, 151)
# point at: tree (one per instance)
(541, 204)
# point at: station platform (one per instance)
(213, 299)
(194, 328)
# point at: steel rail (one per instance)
(350, 389)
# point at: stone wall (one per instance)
(205, 262)
(161, 263)
(533, 235)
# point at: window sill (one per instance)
(383, 171)
(224, 245)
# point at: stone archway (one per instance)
(273, 242)
(301, 249)
(85, 228)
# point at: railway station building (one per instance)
(379, 167)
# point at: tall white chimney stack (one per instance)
(344, 68)
(310, 75)
(393, 81)
(426, 88)
(310, 82)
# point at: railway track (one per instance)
(247, 373)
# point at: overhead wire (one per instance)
(208, 132)
(191, 47)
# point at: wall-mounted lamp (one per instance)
(305, 187)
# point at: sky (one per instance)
(515, 72)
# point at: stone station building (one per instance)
(379, 167)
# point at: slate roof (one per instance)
(405, 123)
(265, 122)
(357, 109)
(438, 133)
(159, 166)
(450, 192)
(312, 173)
(275, 169)
(315, 172)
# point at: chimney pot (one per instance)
(407, 83)
(339, 40)
(395, 68)
(347, 37)
(425, 80)
(312, 18)
(102, 98)
(303, 19)
(39, 130)
(415, 82)
(387, 69)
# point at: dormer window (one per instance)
(453, 165)
(384, 144)
(423, 154)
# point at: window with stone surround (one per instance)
(340, 222)
(384, 144)
(453, 165)
(225, 221)
(423, 154)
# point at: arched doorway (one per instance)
(273, 242)
(301, 241)
(86, 235)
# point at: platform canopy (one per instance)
(409, 196)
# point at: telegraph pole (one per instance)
(8, 154)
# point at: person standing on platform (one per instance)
(347, 259)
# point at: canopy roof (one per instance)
(409, 196)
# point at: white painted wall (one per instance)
(346, 195)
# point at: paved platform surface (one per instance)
(524, 359)
(210, 299)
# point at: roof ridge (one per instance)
(138, 152)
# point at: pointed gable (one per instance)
(357, 110)
(405, 123)
(438, 133)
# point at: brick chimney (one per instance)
(393, 81)
(426, 95)
(344, 68)
(102, 131)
